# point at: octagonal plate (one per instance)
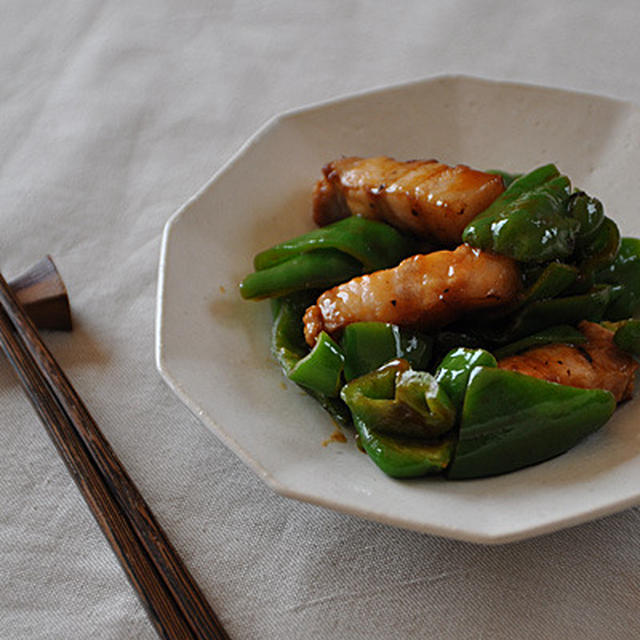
(212, 348)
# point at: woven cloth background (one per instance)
(114, 113)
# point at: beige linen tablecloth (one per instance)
(111, 115)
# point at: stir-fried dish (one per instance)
(463, 322)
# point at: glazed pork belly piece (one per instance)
(425, 291)
(596, 364)
(424, 197)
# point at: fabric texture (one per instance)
(111, 115)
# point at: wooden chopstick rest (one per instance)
(43, 294)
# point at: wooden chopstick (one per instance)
(163, 611)
(176, 606)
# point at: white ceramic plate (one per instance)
(213, 348)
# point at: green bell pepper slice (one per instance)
(529, 221)
(375, 245)
(399, 401)
(415, 347)
(536, 316)
(589, 212)
(566, 310)
(369, 345)
(523, 184)
(321, 369)
(405, 457)
(325, 257)
(626, 335)
(555, 278)
(559, 334)
(314, 270)
(288, 346)
(510, 420)
(453, 372)
(401, 417)
(624, 271)
(601, 252)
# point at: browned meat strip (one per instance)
(596, 364)
(425, 291)
(425, 197)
